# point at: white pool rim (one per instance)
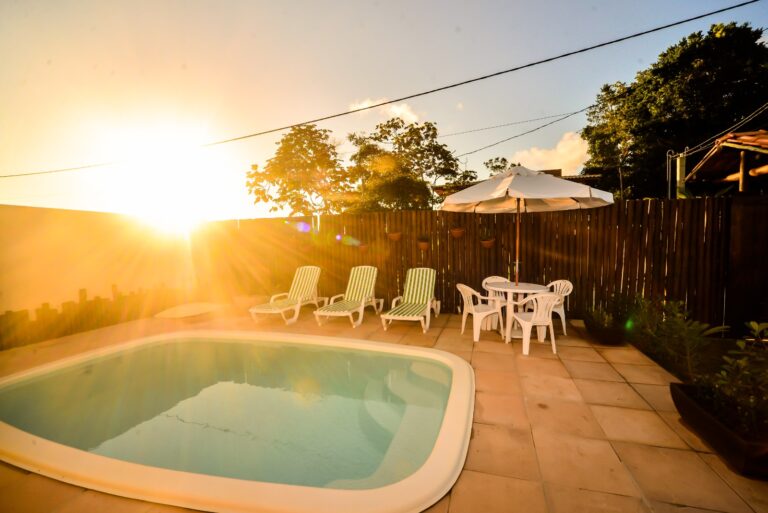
(414, 493)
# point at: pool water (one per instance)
(275, 412)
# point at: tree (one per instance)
(395, 165)
(697, 88)
(305, 174)
(498, 164)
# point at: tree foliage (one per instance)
(394, 166)
(697, 88)
(305, 174)
(496, 165)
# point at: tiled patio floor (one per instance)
(591, 429)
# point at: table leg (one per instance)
(508, 329)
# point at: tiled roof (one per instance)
(722, 161)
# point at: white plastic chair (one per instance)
(564, 289)
(495, 293)
(486, 306)
(540, 316)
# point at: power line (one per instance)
(704, 144)
(431, 91)
(492, 75)
(503, 125)
(522, 133)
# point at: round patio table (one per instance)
(510, 289)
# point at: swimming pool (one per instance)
(244, 421)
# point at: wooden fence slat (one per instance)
(676, 249)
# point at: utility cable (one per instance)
(704, 144)
(437, 89)
(502, 125)
(523, 133)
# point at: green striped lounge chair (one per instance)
(303, 291)
(360, 293)
(417, 301)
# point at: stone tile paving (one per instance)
(590, 429)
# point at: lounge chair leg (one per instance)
(294, 318)
(359, 318)
(384, 323)
(317, 318)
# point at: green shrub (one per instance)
(607, 325)
(664, 331)
(738, 393)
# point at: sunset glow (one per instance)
(166, 177)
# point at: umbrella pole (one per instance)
(517, 244)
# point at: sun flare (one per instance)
(168, 179)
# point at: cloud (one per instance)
(401, 110)
(569, 154)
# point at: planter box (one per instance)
(747, 457)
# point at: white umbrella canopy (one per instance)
(519, 189)
(537, 191)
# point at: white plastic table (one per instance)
(510, 289)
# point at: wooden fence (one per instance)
(677, 249)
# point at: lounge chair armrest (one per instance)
(274, 298)
(396, 301)
(335, 298)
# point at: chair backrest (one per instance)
(562, 287)
(542, 306)
(495, 293)
(467, 294)
(304, 283)
(419, 285)
(362, 282)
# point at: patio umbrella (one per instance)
(519, 189)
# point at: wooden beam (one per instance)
(747, 147)
(742, 171)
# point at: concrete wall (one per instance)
(49, 255)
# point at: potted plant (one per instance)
(456, 231)
(729, 408)
(394, 235)
(423, 242)
(487, 239)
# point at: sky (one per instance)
(144, 84)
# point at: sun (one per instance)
(167, 177)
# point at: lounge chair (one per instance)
(486, 307)
(303, 291)
(360, 293)
(417, 301)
